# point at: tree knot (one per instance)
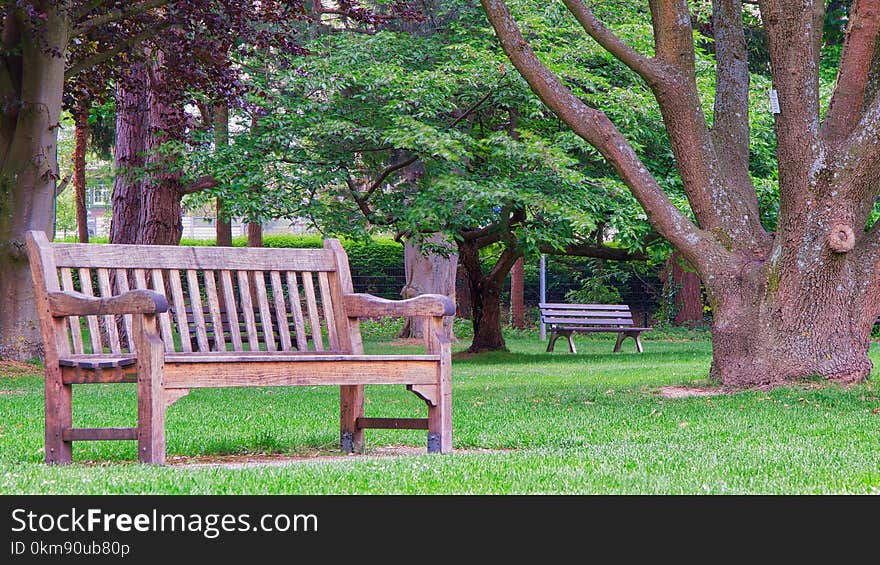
(841, 239)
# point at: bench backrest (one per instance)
(221, 298)
(586, 315)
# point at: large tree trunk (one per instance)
(160, 221)
(28, 171)
(147, 190)
(688, 296)
(254, 234)
(132, 143)
(429, 273)
(517, 298)
(221, 139)
(780, 324)
(789, 305)
(485, 295)
(81, 124)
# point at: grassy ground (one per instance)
(524, 422)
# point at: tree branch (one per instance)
(642, 65)
(730, 127)
(200, 184)
(595, 251)
(794, 35)
(104, 56)
(673, 34)
(698, 246)
(847, 99)
(116, 15)
(389, 170)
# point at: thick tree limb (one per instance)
(719, 190)
(595, 251)
(645, 67)
(859, 45)
(730, 127)
(673, 34)
(698, 246)
(794, 36)
(387, 171)
(104, 56)
(200, 184)
(116, 15)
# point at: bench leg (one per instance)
(623, 335)
(553, 337)
(351, 407)
(440, 414)
(620, 337)
(637, 337)
(151, 397)
(58, 416)
(571, 347)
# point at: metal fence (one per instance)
(641, 296)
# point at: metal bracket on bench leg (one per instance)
(346, 443)
(433, 443)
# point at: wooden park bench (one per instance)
(563, 320)
(177, 318)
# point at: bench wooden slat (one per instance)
(345, 370)
(280, 311)
(229, 298)
(123, 287)
(110, 320)
(179, 257)
(586, 313)
(265, 312)
(312, 307)
(164, 318)
(327, 306)
(565, 306)
(393, 423)
(582, 329)
(302, 343)
(195, 298)
(89, 361)
(247, 310)
(179, 310)
(623, 322)
(85, 281)
(75, 329)
(214, 307)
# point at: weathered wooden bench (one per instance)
(177, 318)
(563, 320)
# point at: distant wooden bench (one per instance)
(177, 318)
(563, 320)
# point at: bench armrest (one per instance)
(361, 305)
(71, 303)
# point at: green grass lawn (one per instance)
(524, 422)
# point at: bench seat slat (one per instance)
(587, 313)
(590, 321)
(563, 306)
(86, 361)
(603, 329)
(307, 370)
